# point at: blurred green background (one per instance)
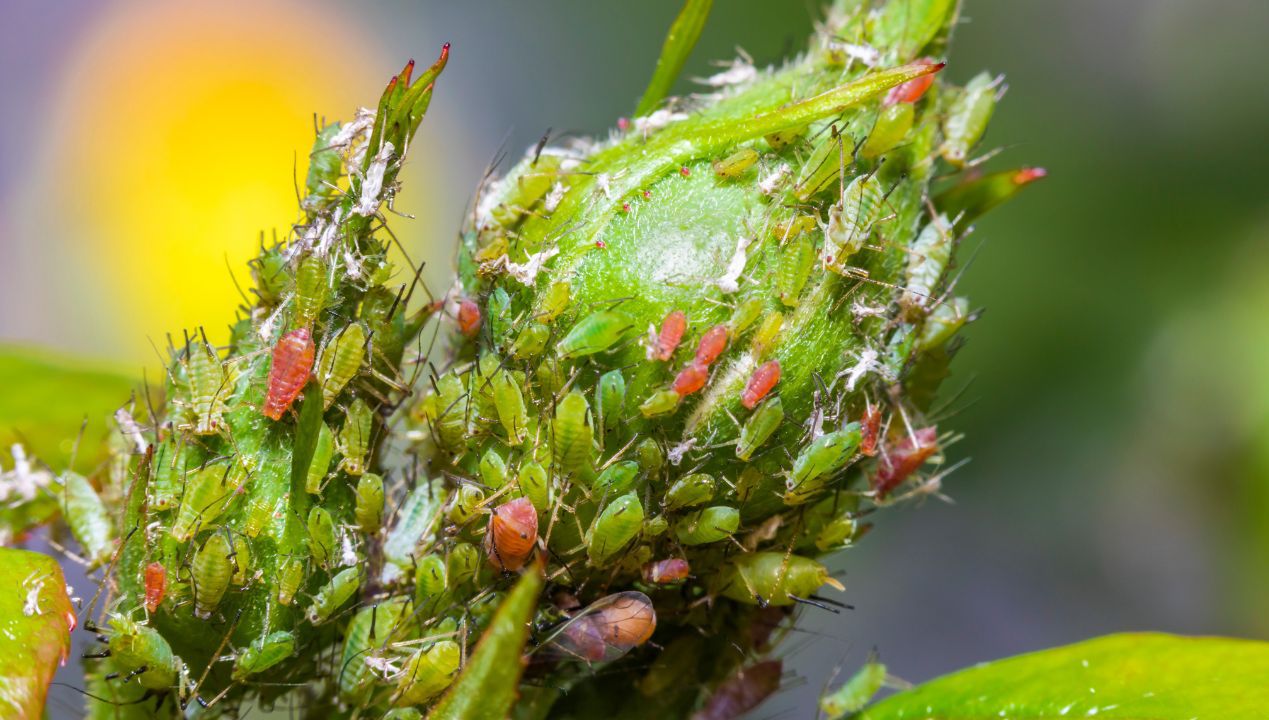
(1117, 400)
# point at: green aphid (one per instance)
(170, 462)
(311, 290)
(618, 524)
(341, 360)
(263, 653)
(928, 258)
(207, 495)
(493, 469)
(689, 490)
(526, 188)
(371, 628)
(430, 581)
(427, 673)
(759, 427)
(212, 570)
(554, 302)
(480, 388)
(414, 518)
(817, 462)
(796, 261)
(87, 517)
(242, 561)
(531, 342)
(290, 578)
(892, 126)
(509, 402)
(259, 513)
(766, 336)
(466, 504)
(535, 485)
(782, 139)
(369, 507)
(323, 452)
(851, 220)
(550, 377)
(353, 442)
(447, 413)
(745, 315)
(655, 526)
(403, 713)
(837, 532)
(946, 319)
(325, 167)
(612, 398)
(708, 525)
(822, 169)
(854, 694)
(661, 402)
(651, 456)
(572, 437)
(271, 275)
(498, 311)
(134, 646)
(594, 333)
(736, 164)
(616, 479)
(772, 578)
(333, 595)
(209, 388)
(322, 544)
(463, 563)
(966, 120)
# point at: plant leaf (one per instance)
(487, 688)
(1143, 676)
(679, 42)
(35, 620)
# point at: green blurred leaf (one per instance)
(35, 621)
(487, 687)
(47, 397)
(1144, 676)
(679, 42)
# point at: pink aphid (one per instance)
(760, 383)
(468, 317)
(690, 379)
(871, 430)
(292, 364)
(712, 344)
(672, 329)
(667, 571)
(912, 90)
(902, 459)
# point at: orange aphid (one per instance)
(155, 585)
(903, 458)
(871, 430)
(712, 344)
(468, 317)
(912, 90)
(690, 379)
(1029, 175)
(512, 533)
(760, 383)
(672, 329)
(666, 571)
(292, 363)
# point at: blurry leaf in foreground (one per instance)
(1143, 676)
(35, 620)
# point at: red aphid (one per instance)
(672, 329)
(600, 245)
(912, 90)
(623, 124)
(155, 585)
(468, 317)
(871, 430)
(712, 344)
(625, 207)
(685, 171)
(760, 383)
(743, 691)
(512, 534)
(903, 458)
(666, 571)
(690, 379)
(647, 194)
(292, 363)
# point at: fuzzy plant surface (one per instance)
(679, 364)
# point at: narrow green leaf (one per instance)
(306, 431)
(35, 621)
(679, 42)
(487, 688)
(1143, 676)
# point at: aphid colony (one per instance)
(678, 366)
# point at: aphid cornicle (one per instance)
(212, 570)
(854, 694)
(903, 458)
(208, 389)
(509, 402)
(708, 525)
(817, 462)
(672, 329)
(606, 629)
(771, 578)
(369, 507)
(290, 577)
(323, 451)
(612, 398)
(689, 490)
(342, 359)
(535, 485)
(135, 647)
(616, 479)
(759, 427)
(263, 653)
(797, 260)
(618, 524)
(311, 290)
(571, 434)
(663, 572)
(333, 595)
(86, 515)
(155, 586)
(321, 535)
(512, 534)
(760, 383)
(354, 438)
(594, 333)
(370, 627)
(289, 372)
(736, 164)
(427, 673)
